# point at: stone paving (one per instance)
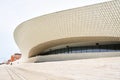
(85, 69)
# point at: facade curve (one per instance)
(96, 24)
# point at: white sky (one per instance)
(14, 12)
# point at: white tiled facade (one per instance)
(100, 22)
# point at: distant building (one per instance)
(8, 62)
(2, 63)
(14, 58)
(17, 56)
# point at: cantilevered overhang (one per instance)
(90, 23)
(67, 41)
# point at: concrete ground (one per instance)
(85, 69)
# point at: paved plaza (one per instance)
(85, 69)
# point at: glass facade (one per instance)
(84, 49)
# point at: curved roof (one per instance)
(100, 22)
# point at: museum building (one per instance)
(91, 31)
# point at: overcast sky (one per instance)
(14, 12)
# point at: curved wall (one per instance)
(99, 22)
